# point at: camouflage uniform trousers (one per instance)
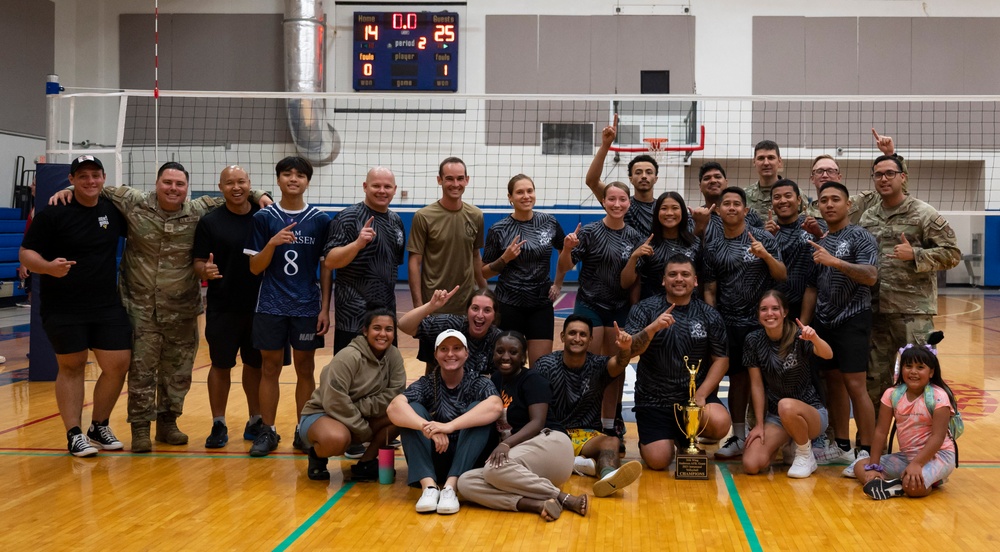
(891, 331)
(160, 375)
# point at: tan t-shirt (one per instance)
(448, 241)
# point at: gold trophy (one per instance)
(692, 462)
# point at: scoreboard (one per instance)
(402, 51)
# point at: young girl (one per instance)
(926, 454)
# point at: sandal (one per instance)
(551, 510)
(581, 506)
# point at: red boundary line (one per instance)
(50, 416)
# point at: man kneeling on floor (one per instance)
(578, 379)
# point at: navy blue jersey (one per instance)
(291, 282)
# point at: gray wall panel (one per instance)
(564, 54)
(27, 40)
(831, 60)
(938, 46)
(136, 51)
(511, 57)
(779, 55)
(884, 45)
(982, 50)
(603, 54)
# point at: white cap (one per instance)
(450, 333)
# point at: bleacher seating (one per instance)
(11, 232)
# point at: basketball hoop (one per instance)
(655, 148)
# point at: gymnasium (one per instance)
(509, 87)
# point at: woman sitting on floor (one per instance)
(444, 420)
(535, 455)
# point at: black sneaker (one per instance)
(317, 467)
(80, 446)
(265, 443)
(395, 443)
(251, 431)
(297, 441)
(219, 436)
(355, 451)
(881, 489)
(100, 436)
(365, 471)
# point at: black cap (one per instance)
(83, 160)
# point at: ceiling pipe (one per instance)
(305, 55)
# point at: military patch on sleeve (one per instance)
(942, 225)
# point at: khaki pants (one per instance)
(534, 469)
(889, 333)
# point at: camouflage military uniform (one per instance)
(162, 295)
(759, 200)
(905, 298)
(859, 204)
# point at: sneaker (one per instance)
(881, 489)
(101, 437)
(355, 451)
(365, 471)
(707, 441)
(788, 453)
(448, 501)
(585, 466)
(733, 448)
(832, 454)
(219, 436)
(428, 500)
(849, 470)
(395, 443)
(265, 443)
(297, 441)
(317, 467)
(251, 431)
(803, 465)
(617, 480)
(80, 446)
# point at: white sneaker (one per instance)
(803, 465)
(731, 449)
(429, 500)
(788, 453)
(448, 503)
(618, 479)
(833, 454)
(585, 466)
(849, 470)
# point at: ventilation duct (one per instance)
(305, 31)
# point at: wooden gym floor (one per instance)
(190, 498)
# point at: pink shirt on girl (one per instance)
(914, 423)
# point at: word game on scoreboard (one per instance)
(400, 51)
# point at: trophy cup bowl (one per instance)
(692, 462)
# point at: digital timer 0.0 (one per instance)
(402, 51)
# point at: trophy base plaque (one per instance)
(691, 467)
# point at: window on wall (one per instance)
(654, 82)
(567, 138)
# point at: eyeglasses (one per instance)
(821, 172)
(887, 174)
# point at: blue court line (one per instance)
(741, 512)
(307, 524)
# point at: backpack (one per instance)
(956, 427)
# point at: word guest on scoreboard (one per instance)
(402, 51)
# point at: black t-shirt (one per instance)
(742, 277)
(89, 236)
(797, 254)
(576, 393)
(651, 267)
(447, 404)
(603, 253)
(784, 378)
(640, 216)
(480, 349)
(698, 333)
(223, 233)
(523, 390)
(838, 297)
(525, 281)
(715, 230)
(369, 281)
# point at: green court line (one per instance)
(313, 518)
(741, 512)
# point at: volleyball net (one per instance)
(950, 143)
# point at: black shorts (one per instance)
(272, 332)
(737, 340)
(656, 423)
(533, 322)
(850, 342)
(601, 317)
(107, 330)
(228, 333)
